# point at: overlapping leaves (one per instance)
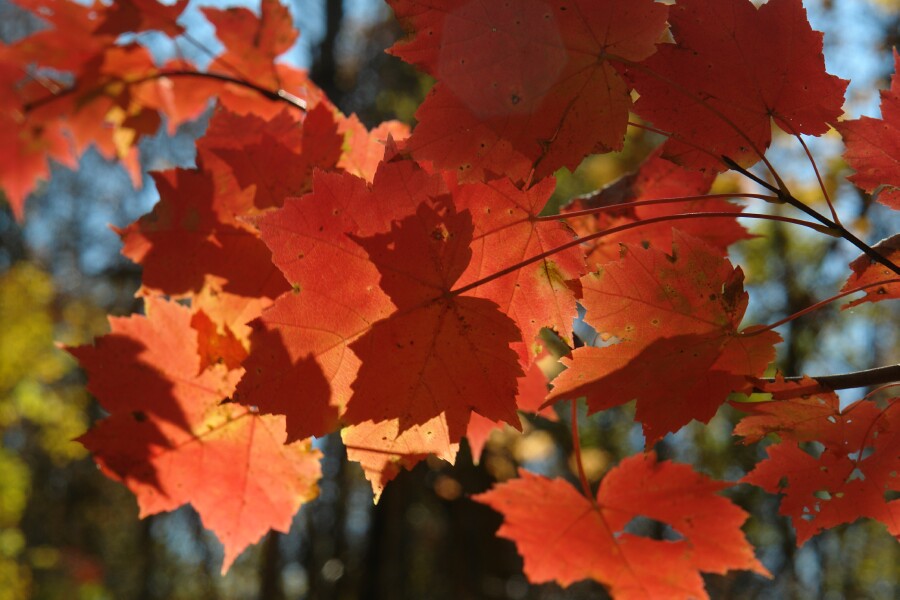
(403, 353)
(678, 348)
(523, 86)
(406, 298)
(852, 475)
(655, 179)
(732, 71)
(169, 429)
(121, 94)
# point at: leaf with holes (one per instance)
(656, 178)
(867, 272)
(679, 351)
(854, 476)
(508, 230)
(566, 537)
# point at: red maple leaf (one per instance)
(106, 110)
(855, 475)
(732, 71)
(185, 241)
(439, 353)
(331, 305)
(198, 239)
(256, 482)
(565, 537)
(507, 230)
(121, 94)
(803, 416)
(148, 371)
(181, 99)
(679, 351)
(295, 85)
(523, 85)
(134, 16)
(867, 272)
(71, 41)
(30, 137)
(532, 391)
(383, 311)
(363, 149)
(253, 43)
(383, 450)
(873, 146)
(25, 146)
(152, 364)
(656, 178)
(102, 111)
(277, 156)
(393, 322)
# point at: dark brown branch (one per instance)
(273, 95)
(846, 381)
(838, 229)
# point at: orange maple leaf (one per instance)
(565, 537)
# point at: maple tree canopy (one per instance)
(405, 288)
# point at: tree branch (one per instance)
(845, 381)
(272, 95)
(625, 227)
(838, 229)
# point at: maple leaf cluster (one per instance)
(310, 275)
(852, 475)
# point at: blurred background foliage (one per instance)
(68, 533)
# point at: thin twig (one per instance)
(636, 203)
(627, 226)
(815, 167)
(835, 229)
(273, 95)
(576, 448)
(816, 306)
(719, 114)
(674, 136)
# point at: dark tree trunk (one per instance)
(270, 569)
(324, 70)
